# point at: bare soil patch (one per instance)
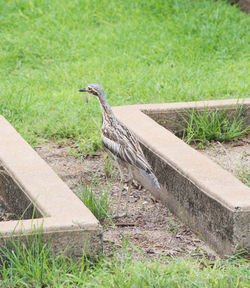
(149, 226)
(233, 156)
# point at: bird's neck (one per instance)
(107, 113)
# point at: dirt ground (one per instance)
(149, 225)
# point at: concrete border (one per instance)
(64, 219)
(212, 201)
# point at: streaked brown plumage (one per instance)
(119, 141)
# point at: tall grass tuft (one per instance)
(219, 125)
(24, 258)
(97, 202)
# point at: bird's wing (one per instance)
(122, 143)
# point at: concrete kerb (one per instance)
(64, 219)
(211, 200)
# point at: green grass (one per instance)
(97, 201)
(36, 266)
(219, 125)
(140, 51)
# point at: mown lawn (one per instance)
(141, 52)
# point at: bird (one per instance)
(122, 145)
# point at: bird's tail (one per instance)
(154, 181)
(151, 180)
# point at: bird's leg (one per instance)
(120, 192)
(130, 180)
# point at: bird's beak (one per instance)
(83, 90)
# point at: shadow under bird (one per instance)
(122, 145)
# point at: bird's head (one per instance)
(94, 89)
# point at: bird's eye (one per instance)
(94, 92)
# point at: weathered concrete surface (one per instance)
(64, 219)
(212, 201)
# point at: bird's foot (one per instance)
(127, 181)
(119, 215)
